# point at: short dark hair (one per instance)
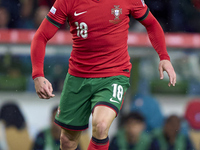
(134, 116)
(171, 117)
(12, 115)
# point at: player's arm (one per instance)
(55, 18)
(155, 32)
(44, 33)
(157, 38)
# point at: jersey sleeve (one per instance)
(58, 13)
(156, 36)
(139, 10)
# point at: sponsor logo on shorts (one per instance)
(53, 10)
(58, 112)
(114, 101)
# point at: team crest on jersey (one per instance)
(116, 11)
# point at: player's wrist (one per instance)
(34, 77)
(164, 57)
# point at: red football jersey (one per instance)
(100, 33)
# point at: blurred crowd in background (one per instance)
(174, 16)
(144, 127)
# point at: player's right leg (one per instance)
(74, 111)
(69, 139)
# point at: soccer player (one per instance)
(99, 65)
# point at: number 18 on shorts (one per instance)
(81, 95)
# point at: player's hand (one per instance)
(43, 88)
(165, 65)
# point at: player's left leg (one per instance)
(106, 104)
(102, 118)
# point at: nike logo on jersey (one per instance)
(77, 14)
(114, 101)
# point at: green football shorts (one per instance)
(81, 95)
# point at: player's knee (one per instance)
(66, 143)
(100, 128)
